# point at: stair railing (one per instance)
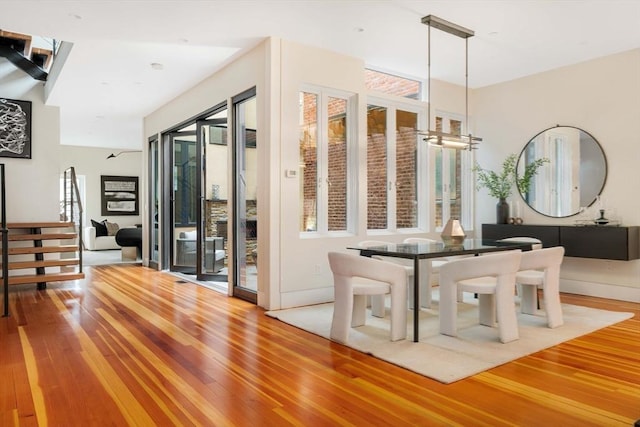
(5, 242)
(71, 199)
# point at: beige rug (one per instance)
(448, 359)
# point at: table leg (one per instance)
(416, 300)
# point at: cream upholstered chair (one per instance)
(377, 302)
(493, 278)
(527, 278)
(429, 270)
(541, 268)
(350, 293)
(535, 243)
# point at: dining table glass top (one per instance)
(438, 249)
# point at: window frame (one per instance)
(392, 104)
(322, 159)
(466, 176)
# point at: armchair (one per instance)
(186, 247)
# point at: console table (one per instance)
(603, 242)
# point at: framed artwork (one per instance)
(119, 195)
(15, 128)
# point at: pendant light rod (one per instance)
(437, 138)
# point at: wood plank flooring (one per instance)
(132, 346)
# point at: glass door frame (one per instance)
(237, 202)
(154, 191)
(169, 191)
(201, 189)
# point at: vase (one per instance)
(502, 212)
(453, 233)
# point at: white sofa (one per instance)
(102, 243)
(93, 243)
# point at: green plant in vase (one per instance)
(500, 184)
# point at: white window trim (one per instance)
(322, 189)
(392, 104)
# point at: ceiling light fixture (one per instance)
(443, 139)
(111, 156)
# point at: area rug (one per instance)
(449, 359)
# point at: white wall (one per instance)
(601, 96)
(32, 184)
(92, 163)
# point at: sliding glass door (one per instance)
(184, 202)
(154, 202)
(245, 201)
(213, 192)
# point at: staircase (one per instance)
(18, 49)
(28, 245)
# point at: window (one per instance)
(391, 84)
(395, 179)
(325, 135)
(452, 179)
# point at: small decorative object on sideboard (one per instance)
(601, 220)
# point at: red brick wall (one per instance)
(392, 85)
(406, 166)
(376, 169)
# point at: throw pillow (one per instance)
(112, 228)
(101, 229)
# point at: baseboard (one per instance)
(307, 297)
(620, 293)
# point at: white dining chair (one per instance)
(378, 301)
(526, 278)
(490, 276)
(535, 243)
(541, 269)
(384, 278)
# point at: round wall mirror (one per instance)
(572, 178)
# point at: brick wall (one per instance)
(376, 169)
(392, 85)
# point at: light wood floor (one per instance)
(132, 346)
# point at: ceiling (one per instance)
(108, 83)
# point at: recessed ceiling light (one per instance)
(359, 30)
(493, 33)
(73, 15)
(157, 66)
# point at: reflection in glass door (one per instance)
(184, 202)
(212, 134)
(154, 205)
(245, 201)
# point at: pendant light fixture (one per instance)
(443, 139)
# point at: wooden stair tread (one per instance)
(42, 250)
(44, 236)
(45, 263)
(44, 224)
(49, 277)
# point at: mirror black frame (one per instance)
(604, 178)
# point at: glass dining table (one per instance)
(418, 251)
